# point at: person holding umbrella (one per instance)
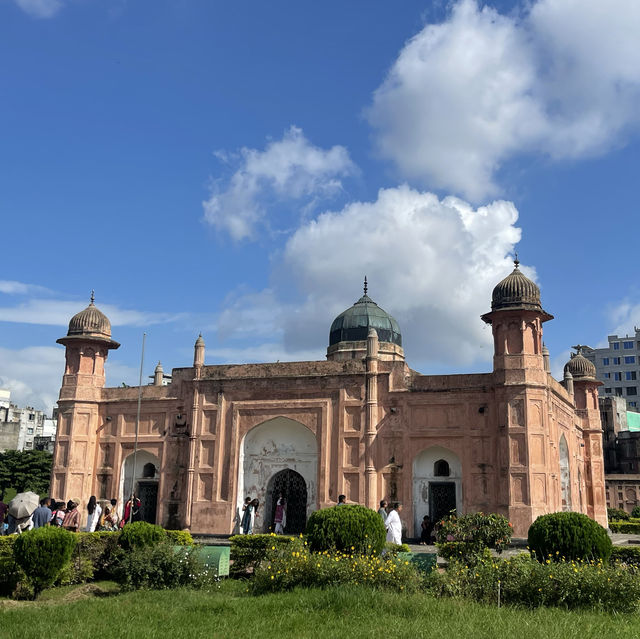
(21, 509)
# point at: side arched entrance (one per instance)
(293, 487)
(437, 485)
(268, 449)
(145, 483)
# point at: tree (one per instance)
(25, 470)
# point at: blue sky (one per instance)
(237, 168)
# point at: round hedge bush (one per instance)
(140, 534)
(568, 535)
(349, 528)
(42, 553)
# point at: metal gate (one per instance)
(442, 499)
(294, 489)
(148, 495)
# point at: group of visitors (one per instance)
(103, 515)
(250, 511)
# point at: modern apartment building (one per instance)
(618, 367)
(22, 428)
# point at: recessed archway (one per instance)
(145, 484)
(273, 446)
(437, 484)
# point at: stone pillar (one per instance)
(546, 359)
(158, 375)
(371, 417)
(568, 382)
(191, 468)
(198, 356)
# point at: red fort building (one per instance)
(362, 423)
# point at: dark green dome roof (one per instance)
(353, 324)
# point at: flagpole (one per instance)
(135, 445)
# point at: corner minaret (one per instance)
(516, 318)
(87, 342)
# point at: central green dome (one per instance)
(353, 324)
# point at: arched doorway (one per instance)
(294, 489)
(267, 449)
(145, 484)
(565, 474)
(437, 485)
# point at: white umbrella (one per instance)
(23, 505)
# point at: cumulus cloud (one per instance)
(59, 312)
(33, 375)
(431, 263)
(288, 170)
(624, 317)
(479, 88)
(11, 287)
(40, 8)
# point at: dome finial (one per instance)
(366, 288)
(93, 297)
(516, 261)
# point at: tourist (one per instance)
(248, 517)
(23, 524)
(115, 511)
(3, 514)
(382, 511)
(42, 514)
(71, 519)
(94, 511)
(427, 528)
(394, 525)
(132, 511)
(280, 519)
(110, 519)
(57, 516)
(342, 500)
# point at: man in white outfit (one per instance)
(394, 525)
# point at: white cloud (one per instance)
(40, 8)
(11, 287)
(470, 93)
(33, 375)
(624, 317)
(431, 263)
(290, 169)
(59, 312)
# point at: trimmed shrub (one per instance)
(349, 528)
(635, 512)
(42, 553)
(523, 581)
(247, 551)
(139, 534)
(394, 549)
(617, 514)
(568, 535)
(466, 537)
(301, 568)
(10, 572)
(628, 527)
(627, 555)
(179, 537)
(160, 567)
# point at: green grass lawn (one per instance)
(338, 612)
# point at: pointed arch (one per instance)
(267, 449)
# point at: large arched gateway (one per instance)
(278, 445)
